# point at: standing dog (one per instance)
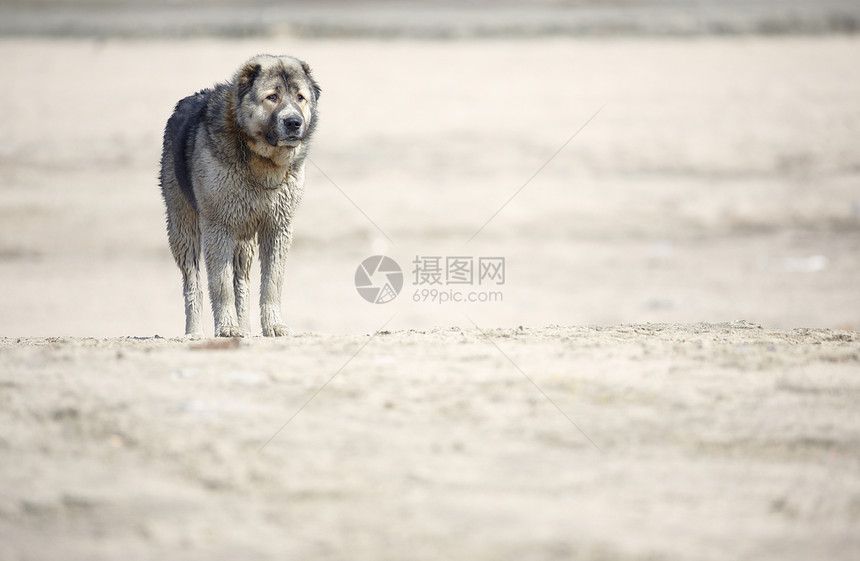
(232, 172)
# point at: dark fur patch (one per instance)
(181, 128)
(316, 87)
(245, 80)
(285, 77)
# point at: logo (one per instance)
(378, 279)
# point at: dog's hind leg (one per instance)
(241, 283)
(183, 232)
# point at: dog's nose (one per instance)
(293, 124)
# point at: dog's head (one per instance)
(276, 103)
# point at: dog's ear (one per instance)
(316, 87)
(245, 78)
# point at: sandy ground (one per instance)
(718, 180)
(639, 442)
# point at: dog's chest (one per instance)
(257, 207)
(245, 207)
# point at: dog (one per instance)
(232, 174)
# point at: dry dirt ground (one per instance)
(715, 180)
(640, 442)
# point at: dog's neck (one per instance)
(267, 173)
(272, 170)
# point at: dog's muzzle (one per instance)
(288, 132)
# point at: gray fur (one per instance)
(232, 173)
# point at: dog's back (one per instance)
(179, 138)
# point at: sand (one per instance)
(639, 442)
(672, 371)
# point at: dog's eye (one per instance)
(273, 97)
(300, 97)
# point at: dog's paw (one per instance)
(229, 331)
(277, 330)
(195, 336)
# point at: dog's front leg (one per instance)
(219, 248)
(274, 245)
(241, 277)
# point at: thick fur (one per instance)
(232, 173)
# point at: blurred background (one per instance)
(632, 161)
